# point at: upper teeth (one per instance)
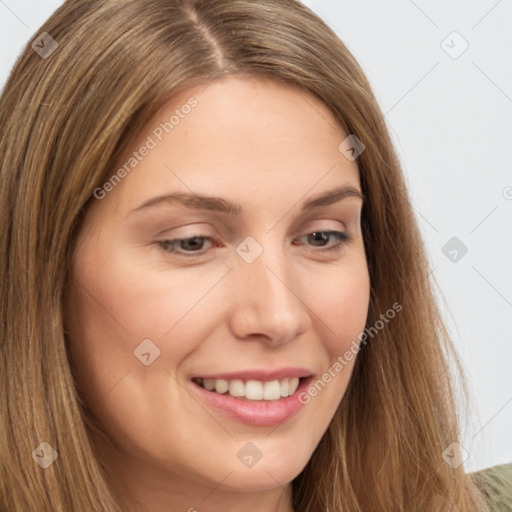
(253, 389)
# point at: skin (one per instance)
(268, 147)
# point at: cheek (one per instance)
(123, 295)
(341, 309)
(341, 301)
(116, 303)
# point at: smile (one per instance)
(259, 411)
(251, 389)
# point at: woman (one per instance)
(216, 296)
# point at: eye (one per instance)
(190, 246)
(194, 246)
(319, 237)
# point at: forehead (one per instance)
(237, 137)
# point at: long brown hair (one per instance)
(65, 119)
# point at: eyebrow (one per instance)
(218, 204)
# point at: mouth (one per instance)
(252, 390)
(252, 402)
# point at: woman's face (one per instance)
(166, 290)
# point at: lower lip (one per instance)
(259, 413)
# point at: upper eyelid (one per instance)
(202, 234)
(324, 213)
(346, 233)
(203, 231)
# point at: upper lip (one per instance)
(264, 375)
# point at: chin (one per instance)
(262, 476)
(256, 482)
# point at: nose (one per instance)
(268, 300)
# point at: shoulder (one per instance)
(496, 484)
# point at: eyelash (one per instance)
(343, 239)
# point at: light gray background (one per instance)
(451, 121)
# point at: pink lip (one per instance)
(262, 375)
(259, 413)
